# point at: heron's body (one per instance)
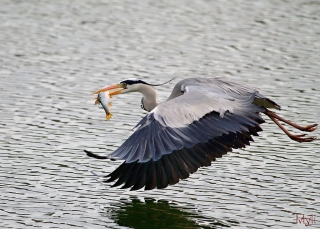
(202, 119)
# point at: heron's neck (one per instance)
(149, 99)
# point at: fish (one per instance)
(104, 99)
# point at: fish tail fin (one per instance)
(108, 116)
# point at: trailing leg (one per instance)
(308, 128)
(299, 138)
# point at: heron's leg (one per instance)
(298, 138)
(308, 128)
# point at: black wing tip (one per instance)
(179, 164)
(96, 156)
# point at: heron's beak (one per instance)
(114, 89)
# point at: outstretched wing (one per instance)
(208, 119)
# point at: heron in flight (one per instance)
(203, 119)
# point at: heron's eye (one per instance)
(124, 85)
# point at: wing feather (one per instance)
(151, 176)
(124, 175)
(141, 177)
(162, 181)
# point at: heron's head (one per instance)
(123, 87)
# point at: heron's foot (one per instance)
(309, 128)
(302, 138)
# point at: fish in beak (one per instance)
(105, 95)
(104, 99)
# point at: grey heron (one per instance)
(203, 119)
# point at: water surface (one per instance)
(53, 54)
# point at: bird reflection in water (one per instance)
(160, 214)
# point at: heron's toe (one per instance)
(302, 138)
(311, 128)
